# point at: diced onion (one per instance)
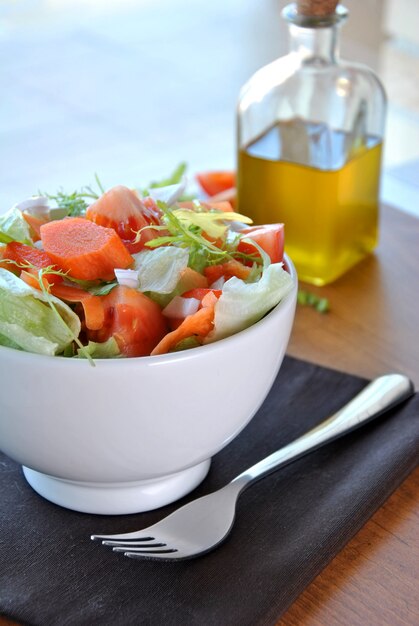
(37, 206)
(218, 284)
(169, 194)
(179, 308)
(127, 278)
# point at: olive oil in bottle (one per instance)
(309, 141)
(330, 209)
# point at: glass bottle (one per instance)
(310, 132)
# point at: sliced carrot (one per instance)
(94, 312)
(31, 278)
(226, 270)
(84, 249)
(35, 224)
(197, 325)
(191, 279)
(200, 292)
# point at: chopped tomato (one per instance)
(133, 319)
(269, 237)
(200, 293)
(227, 196)
(215, 182)
(123, 210)
(226, 270)
(21, 253)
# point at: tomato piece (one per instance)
(215, 182)
(21, 253)
(270, 237)
(133, 319)
(228, 196)
(121, 209)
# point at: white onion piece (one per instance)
(169, 194)
(219, 283)
(127, 278)
(179, 308)
(37, 206)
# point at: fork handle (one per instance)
(380, 395)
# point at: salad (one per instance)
(128, 273)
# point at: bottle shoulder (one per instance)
(362, 74)
(290, 73)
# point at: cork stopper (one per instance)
(317, 8)
(315, 13)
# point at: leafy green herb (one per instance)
(174, 178)
(201, 251)
(307, 298)
(185, 231)
(75, 204)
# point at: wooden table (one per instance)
(372, 328)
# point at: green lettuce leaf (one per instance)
(28, 321)
(107, 350)
(242, 304)
(13, 227)
(159, 269)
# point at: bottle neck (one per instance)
(315, 38)
(315, 46)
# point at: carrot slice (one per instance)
(84, 249)
(31, 278)
(35, 224)
(197, 325)
(94, 312)
(227, 270)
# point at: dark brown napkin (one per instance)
(288, 526)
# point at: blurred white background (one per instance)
(129, 88)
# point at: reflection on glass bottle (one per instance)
(310, 135)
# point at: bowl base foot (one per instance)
(117, 498)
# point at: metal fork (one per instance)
(203, 524)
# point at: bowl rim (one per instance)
(172, 356)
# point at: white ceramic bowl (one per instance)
(131, 435)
